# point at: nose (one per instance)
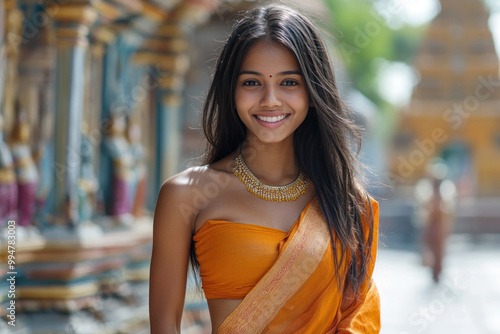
(270, 98)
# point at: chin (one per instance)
(272, 138)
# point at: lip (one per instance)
(268, 124)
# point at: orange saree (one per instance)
(300, 294)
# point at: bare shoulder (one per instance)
(192, 190)
(195, 179)
(185, 181)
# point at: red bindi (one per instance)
(270, 76)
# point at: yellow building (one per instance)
(454, 112)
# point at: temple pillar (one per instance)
(93, 128)
(9, 54)
(165, 52)
(170, 134)
(170, 117)
(72, 24)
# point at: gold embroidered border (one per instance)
(292, 268)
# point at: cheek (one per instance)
(238, 98)
(299, 102)
(243, 100)
(240, 103)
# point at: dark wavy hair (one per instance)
(321, 142)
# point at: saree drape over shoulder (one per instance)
(287, 280)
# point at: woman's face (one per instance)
(271, 95)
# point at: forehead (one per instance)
(269, 57)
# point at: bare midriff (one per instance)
(220, 309)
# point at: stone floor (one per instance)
(467, 300)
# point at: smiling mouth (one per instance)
(271, 119)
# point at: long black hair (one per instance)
(321, 142)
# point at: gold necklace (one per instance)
(286, 193)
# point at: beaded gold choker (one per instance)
(286, 193)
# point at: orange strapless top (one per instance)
(233, 257)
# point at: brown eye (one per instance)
(250, 83)
(290, 83)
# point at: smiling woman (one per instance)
(278, 101)
(276, 221)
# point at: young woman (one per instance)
(281, 230)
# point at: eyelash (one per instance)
(247, 83)
(291, 83)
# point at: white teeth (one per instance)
(273, 119)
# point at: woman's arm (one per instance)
(172, 234)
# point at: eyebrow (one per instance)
(279, 74)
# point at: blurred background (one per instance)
(100, 103)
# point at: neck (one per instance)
(273, 164)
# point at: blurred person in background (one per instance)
(276, 220)
(436, 197)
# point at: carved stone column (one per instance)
(10, 52)
(170, 128)
(72, 28)
(165, 51)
